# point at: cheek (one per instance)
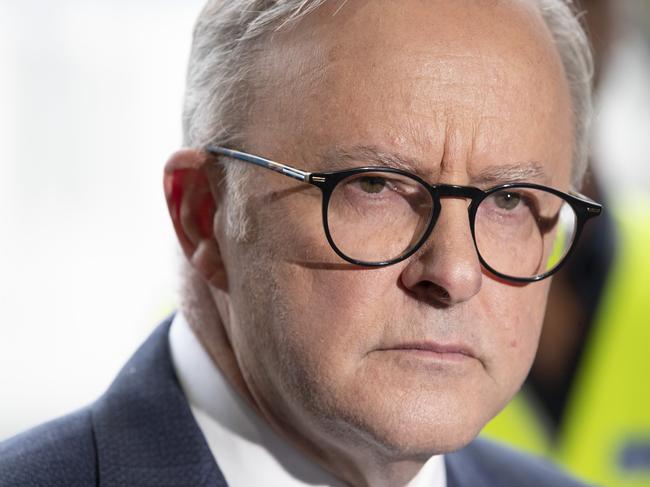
(311, 339)
(518, 314)
(341, 309)
(323, 297)
(307, 298)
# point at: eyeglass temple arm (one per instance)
(594, 208)
(292, 172)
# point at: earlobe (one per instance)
(192, 207)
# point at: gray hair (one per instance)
(228, 38)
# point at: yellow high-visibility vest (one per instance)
(604, 436)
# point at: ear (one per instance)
(192, 207)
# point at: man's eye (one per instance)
(372, 185)
(507, 201)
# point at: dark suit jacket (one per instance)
(141, 432)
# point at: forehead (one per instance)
(458, 85)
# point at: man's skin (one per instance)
(470, 93)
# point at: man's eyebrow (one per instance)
(365, 155)
(511, 173)
(338, 158)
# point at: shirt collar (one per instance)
(239, 438)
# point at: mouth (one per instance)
(451, 352)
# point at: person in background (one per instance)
(586, 402)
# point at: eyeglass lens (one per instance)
(376, 217)
(379, 216)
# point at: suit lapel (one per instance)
(464, 468)
(144, 429)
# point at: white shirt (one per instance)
(246, 449)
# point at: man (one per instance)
(344, 322)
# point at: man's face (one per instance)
(329, 351)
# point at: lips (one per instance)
(434, 348)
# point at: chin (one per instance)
(412, 426)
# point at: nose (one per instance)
(446, 270)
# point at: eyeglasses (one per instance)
(378, 216)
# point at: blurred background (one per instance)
(90, 108)
(621, 138)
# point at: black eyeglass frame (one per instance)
(583, 207)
